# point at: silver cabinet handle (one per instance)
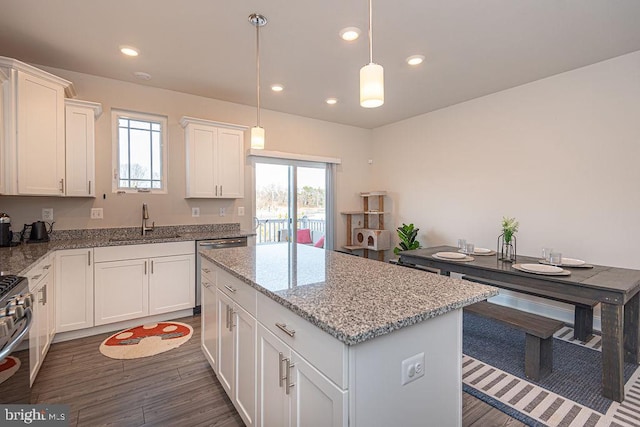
(216, 190)
(288, 383)
(151, 266)
(229, 317)
(88, 257)
(62, 185)
(89, 187)
(46, 267)
(283, 328)
(206, 270)
(220, 189)
(145, 268)
(206, 284)
(36, 277)
(45, 295)
(281, 377)
(230, 289)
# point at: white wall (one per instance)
(284, 132)
(560, 154)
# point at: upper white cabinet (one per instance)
(34, 130)
(215, 163)
(80, 119)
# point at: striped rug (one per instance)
(545, 407)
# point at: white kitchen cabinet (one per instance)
(171, 283)
(209, 329)
(215, 159)
(291, 392)
(74, 289)
(42, 286)
(80, 119)
(4, 81)
(237, 356)
(34, 155)
(136, 281)
(121, 290)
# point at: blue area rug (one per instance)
(576, 372)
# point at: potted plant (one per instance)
(407, 235)
(507, 240)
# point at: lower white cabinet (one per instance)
(74, 290)
(141, 280)
(237, 356)
(41, 285)
(209, 317)
(291, 392)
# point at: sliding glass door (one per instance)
(286, 190)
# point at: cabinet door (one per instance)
(34, 332)
(80, 158)
(316, 401)
(2, 132)
(74, 289)
(226, 365)
(244, 390)
(171, 283)
(273, 403)
(210, 323)
(229, 163)
(121, 290)
(40, 137)
(201, 141)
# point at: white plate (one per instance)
(572, 262)
(481, 251)
(541, 268)
(450, 255)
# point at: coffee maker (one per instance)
(6, 235)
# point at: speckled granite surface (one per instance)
(351, 298)
(18, 259)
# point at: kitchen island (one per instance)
(302, 336)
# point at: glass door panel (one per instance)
(311, 205)
(272, 203)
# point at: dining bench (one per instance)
(583, 307)
(539, 330)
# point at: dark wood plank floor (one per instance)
(173, 388)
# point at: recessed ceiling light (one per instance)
(277, 87)
(129, 50)
(142, 75)
(350, 33)
(415, 59)
(331, 101)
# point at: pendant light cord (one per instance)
(370, 34)
(258, 69)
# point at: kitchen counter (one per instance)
(18, 259)
(351, 298)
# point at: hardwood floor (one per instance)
(169, 389)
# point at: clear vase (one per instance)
(506, 250)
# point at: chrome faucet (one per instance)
(145, 217)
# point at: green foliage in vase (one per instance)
(407, 235)
(509, 228)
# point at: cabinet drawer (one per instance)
(41, 269)
(208, 270)
(125, 252)
(326, 353)
(237, 290)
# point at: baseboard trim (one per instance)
(112, 327)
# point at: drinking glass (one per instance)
(462, 244)
(555, 258)
(546, 254)
(469, 248)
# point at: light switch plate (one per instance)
(222, 211)
(47, 214)
(240, 210)
(195, 212)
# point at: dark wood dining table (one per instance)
(615, 288)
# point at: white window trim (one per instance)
(115, 161)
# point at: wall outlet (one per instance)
(195, 212)
(412, 369)
(47, 214)
(240, 210)
(96, 213)
(222, 213)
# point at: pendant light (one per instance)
(371, 77)
(257, 132)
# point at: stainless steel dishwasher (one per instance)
(227, 242)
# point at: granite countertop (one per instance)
(18, 259)
(352, 298)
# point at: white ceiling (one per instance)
(207, 47)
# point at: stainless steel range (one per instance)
(15, 321)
